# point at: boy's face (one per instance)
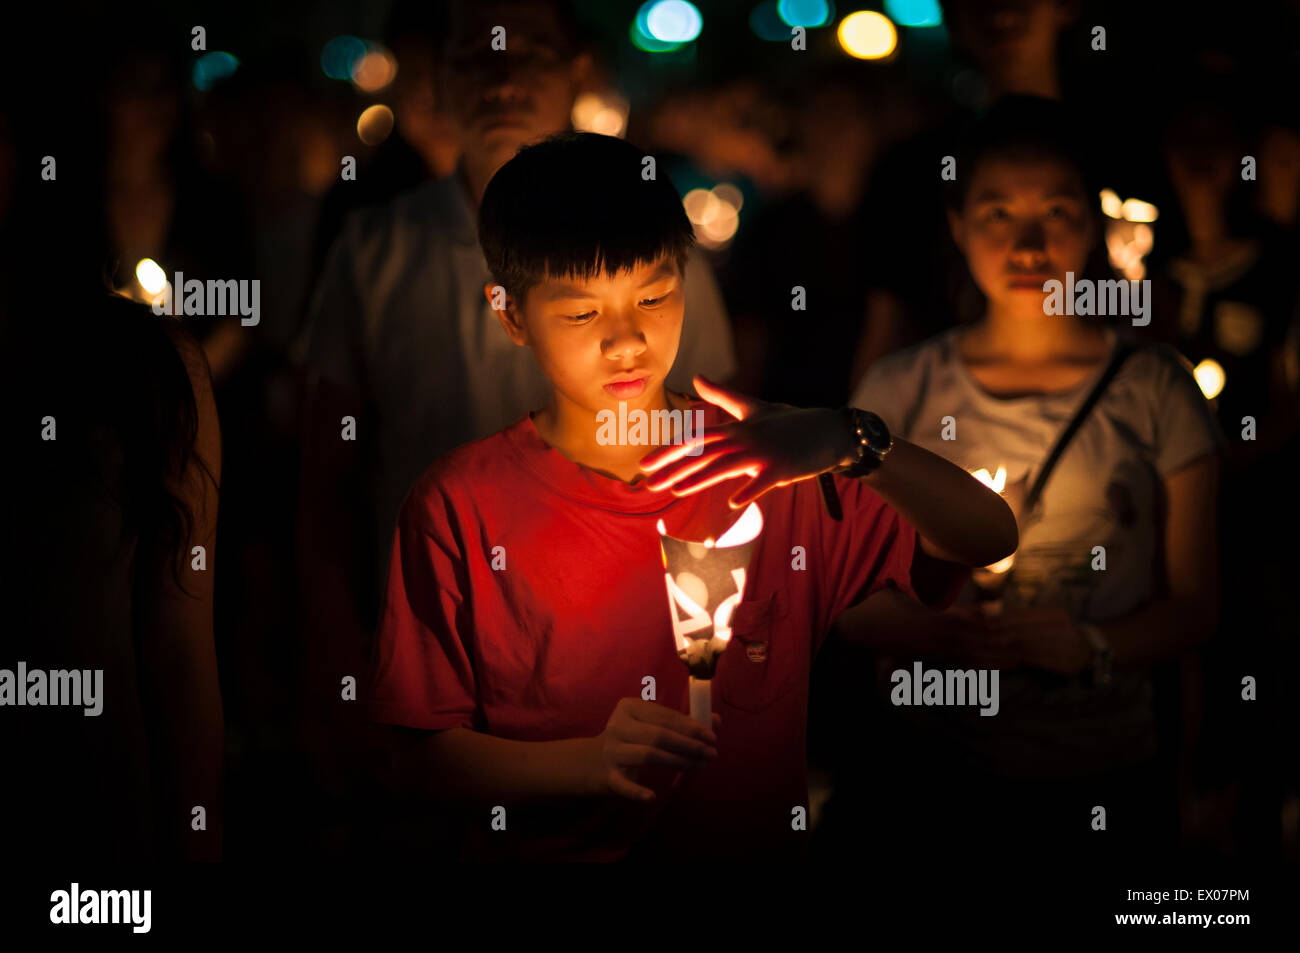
(1024, 221)
(587, 332)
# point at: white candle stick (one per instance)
(702, 701)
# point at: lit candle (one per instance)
(991, 579)
(706, 581)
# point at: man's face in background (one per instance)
(501, 99)
(999, 33)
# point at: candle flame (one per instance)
(995, 482)
(1002, 565)
(150, 275)
(1210, 378)
(744, 529)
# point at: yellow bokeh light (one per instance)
(150, 275)
(375, 124)
(728, 193)
(701, 206)
(720, 228)
(711, 211)
(1139, 211)
(1210, 377)
(867, 35)
(605, 114)
(1111, 204)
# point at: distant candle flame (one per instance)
(1210, 378)
(150, 275)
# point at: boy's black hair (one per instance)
(1024, 127)
(577, 205)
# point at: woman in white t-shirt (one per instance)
(1116, 569)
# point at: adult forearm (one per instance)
(965, 521)
(459, 764)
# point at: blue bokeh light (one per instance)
(914, 12)
(809, 13)
(672, 21)
(340, 55)
(213, 67)
(767, 24)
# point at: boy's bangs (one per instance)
(579, 205)
(600, 261)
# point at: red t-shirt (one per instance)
(576, 616)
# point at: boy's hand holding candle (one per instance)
(641, 733)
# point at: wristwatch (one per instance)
(1101, 653)
(873, 443)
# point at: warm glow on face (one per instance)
(1210, 378)
(1024, 221)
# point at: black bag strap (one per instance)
(1121, 354)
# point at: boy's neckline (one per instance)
(580, 482)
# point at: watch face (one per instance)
(876, 431)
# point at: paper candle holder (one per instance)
(705, 582)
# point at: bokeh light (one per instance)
(1111, 205)
(150, 275)
(340, 55)
(915, 13)
(767, 24)
(867, 35)
(375, 70)
(728, 193)
(1135, 210)
(672, 21)
(808, 13)
(715, 213)
(1210, 378)
(604, 113)
(375, 124)
(639, 33)
(212, 67)
(1127, 244)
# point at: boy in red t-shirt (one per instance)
(526, 646)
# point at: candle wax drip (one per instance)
(701, 657)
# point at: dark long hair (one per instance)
(116, 380)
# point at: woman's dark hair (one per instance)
(115, 378)
(578, 205)
(1023, 127)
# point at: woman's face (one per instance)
(1025, 221)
